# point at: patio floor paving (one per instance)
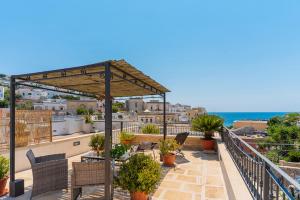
(197, 176)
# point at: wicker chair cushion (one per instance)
(31, 157)
(91, 173)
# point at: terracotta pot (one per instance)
(3, 190)
(208, 144)
(169, 159)
(139, 196)
(126, 142)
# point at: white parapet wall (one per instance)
(70, 146)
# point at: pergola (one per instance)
(104, 80)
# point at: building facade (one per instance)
(58, 106)
(157, 106)
(136, 105)
(157, 118)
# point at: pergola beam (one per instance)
(61, 90)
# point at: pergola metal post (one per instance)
(108, 134)
(165, 123)
(16, 187)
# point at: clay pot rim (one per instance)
(5, 177)
(170, 154)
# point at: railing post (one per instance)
(121, 126)
(266, 182)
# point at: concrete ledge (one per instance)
(235, 185)
(191, 143)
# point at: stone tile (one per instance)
(177, 195)
(192, 188)
(214, 192)
(170, 185)
(198, 197)
(214, 170)
(177, 171)
(194, 172)
(170, 176)
(214, 180)
(184, 178)
(158, 192)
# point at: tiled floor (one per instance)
(197, 176)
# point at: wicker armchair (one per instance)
(86, 174)
(49, 172)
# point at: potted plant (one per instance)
(126, 137)
(139, 176)
(97, 143)
(167, 151)
(208, 124)
(118, 151)
(150, 129)
(88, 123)
(4, 167)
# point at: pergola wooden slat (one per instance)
(109, 79)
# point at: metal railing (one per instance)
(264, 179)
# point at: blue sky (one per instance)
(224, 55)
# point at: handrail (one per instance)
(266, 160)
(264, 179)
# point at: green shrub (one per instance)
(126, 136)
(207, 124)
(273, 156)
(4, 167)
(293, 156)
(97, 142)
(150, 129)
(141, 173)
(118, 151)
(168, 146)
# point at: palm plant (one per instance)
(207, 124)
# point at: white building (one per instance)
(157, 106)
(178, 108)
(58, 106)
(32, 94)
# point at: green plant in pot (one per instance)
(150, 129)
(167, 151)
(208, 124)
(118, 151)
(4, 168)
(97, 143)
(139, 176)
(126, 137)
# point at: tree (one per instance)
(117, 106)
(5, 102)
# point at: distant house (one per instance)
(148, 117)
(194, 112)
(136, 105)
(58, 106)
(73, 105)
(32, 94)
(157, 106)
(178, 108)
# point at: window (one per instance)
(146, 120)
(150, 120)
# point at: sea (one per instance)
(230, 117)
